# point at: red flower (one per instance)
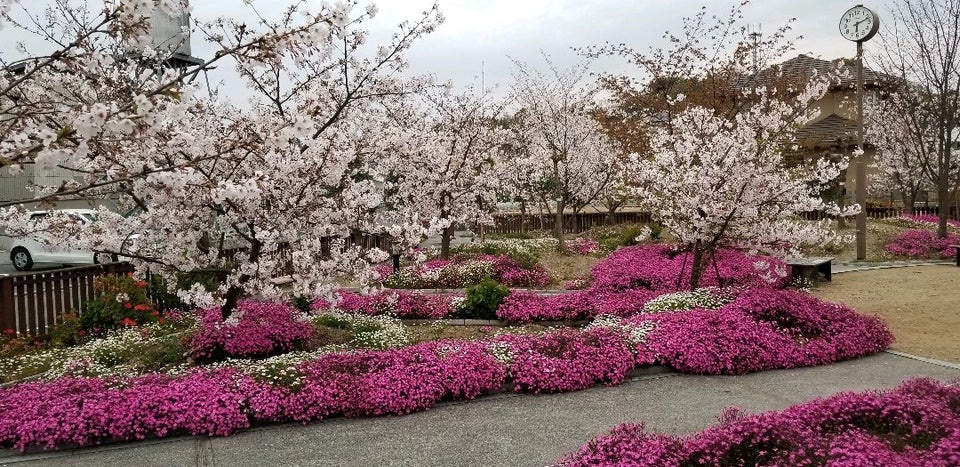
(81, 333)
(142, 307)
(141, 283)
(128, 305)
(9, 332)
(128, 322)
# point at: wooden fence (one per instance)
(577, 223)
(572, 223)
(884, 213)
(31, 304)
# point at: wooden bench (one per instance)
(809, 267)
(957, 247)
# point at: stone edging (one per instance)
(491, 322)
(857, 267)
(931, 361)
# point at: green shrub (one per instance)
(67, 332)
(301, 303)
(120, 301)
(482, 300)
(611, 238)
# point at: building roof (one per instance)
(832, 131)
(800, 68)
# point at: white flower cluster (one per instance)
(502, 353)
(99, 357)
(375, 332)
(279, 370)
(709, 298)
(636, 333)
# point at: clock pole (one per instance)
(860, 164)
(850, 29)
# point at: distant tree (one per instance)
(711, 131)
(921, 47)
(711, 62)
(563, 153)
(901, 135)
(447, 163)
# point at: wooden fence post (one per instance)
(7, 308)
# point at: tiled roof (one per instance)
(831, 131)
(800, 68)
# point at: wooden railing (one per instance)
(31, 304)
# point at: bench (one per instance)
(956, 247)
(809, 267)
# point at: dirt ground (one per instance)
(920, 304)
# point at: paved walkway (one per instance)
(507, 429)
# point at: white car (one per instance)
(25, 252)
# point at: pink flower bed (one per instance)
(399, 303)
(658, 267)
(930, 219)
(581, 246)
(923, 243)
(624, 281)
(256, 329)
(463, 272)
(507, 272)
(763, 329)
(918, 423)
(568, 360)
(527, 307)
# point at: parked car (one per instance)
(25, 252)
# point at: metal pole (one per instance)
(860, 164)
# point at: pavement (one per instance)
(507, 429)
(513, 429)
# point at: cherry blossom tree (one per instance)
(921, 47)
(902, 136)
(710, 129)
(563, 154)
(449, 160)
(285, 177)
(721, 183)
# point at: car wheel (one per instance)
(21, 259)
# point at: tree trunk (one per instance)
(558, 225)
(696, 269)
(232, 297)
(943, 199)
(908, 200)
(445, 237)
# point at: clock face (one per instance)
(859, 24)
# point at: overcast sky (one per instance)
(479, 35)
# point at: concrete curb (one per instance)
(918, 358)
